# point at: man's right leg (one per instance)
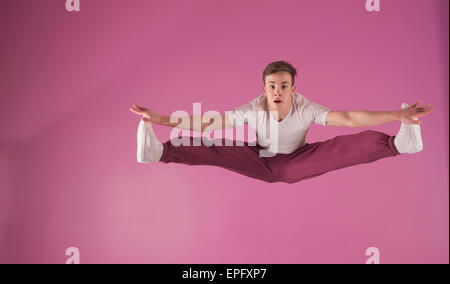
(244, 159)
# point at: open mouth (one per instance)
(277, 101)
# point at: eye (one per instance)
(272, 86)
(284, 86)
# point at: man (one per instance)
(293, 159)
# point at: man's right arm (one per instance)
(215, 122)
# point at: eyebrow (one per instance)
(281, 82)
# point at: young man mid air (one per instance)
(293, 159)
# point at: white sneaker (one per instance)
(149, 149)
(408, 139)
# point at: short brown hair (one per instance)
(279, 66)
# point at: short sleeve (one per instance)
(314, 113)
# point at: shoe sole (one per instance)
(417, 139)
(141, 142)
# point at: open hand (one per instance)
(411, 114)
(148, 115)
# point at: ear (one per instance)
(264, 90)
(293, 89)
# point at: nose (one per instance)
(276, 91)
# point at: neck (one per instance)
(283, 112)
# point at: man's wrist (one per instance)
(396, 114)
(165, 120)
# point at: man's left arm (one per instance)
(359, 118)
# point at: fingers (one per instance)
(135, 111)
(143, 112)
(140, 107)
(428, 110)
(422, 107)
(414, 105)
(424, 112)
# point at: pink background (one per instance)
(68, 169)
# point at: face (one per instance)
(279, 91)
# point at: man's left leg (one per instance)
(339, 152)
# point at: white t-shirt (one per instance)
(291, 130)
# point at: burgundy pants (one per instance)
(309, 161)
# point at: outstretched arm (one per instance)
(359, 118)
(215, 122)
